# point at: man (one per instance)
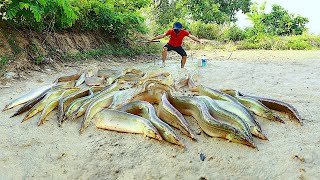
(176, 36)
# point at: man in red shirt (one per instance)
(176, 36)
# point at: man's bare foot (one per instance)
(163, 65)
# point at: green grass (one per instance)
(4, 59)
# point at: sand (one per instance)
(51, 152)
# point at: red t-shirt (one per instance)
(176, 39)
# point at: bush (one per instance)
(301, 42)
(234, 33)
(206, 31)
(118, 18)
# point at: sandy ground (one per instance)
(292, 152)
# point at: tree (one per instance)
(277, 22)
(216, 11)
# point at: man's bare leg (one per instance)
(164, 56)
(183, 61)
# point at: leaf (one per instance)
(36, 13)
(23, 5)
(42, 2)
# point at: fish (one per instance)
(72, 77)
(254, 126)
(212, 127)
(219, 95)
(125, 96)
(146, 110)
(110, 75)
(108, 72)
(125, 122)
(193, 82)
(130, 77)
(53, 103)
(279, 106)
(172, 116)
(75, 105)
(94, 81)
(82, 109)
(164, 78)
(27, 106)
(95, 106)
(133, 71)
(255, 106)
(225, 116)
(81, 79)
(178, 84)
(27, 97)
(41, 104)
(67, 100)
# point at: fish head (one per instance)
(153, 134)
(241, 139)
(170, 137)
(231, 92)
(258, 133)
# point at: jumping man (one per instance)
(176, 36)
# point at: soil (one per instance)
(293, 151)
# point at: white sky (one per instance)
(306, 8)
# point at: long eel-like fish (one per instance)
(254, 105)
(76, 104)
(178, 84)
(48, 98)
(27, 106)
(67, 100)
(146, 110)
(51, 105)
(194, 107)
(193, 82)
(172, 116)
(124, 122)
(255, 128)
(81, 79)
(96, 106)
(278, 106)
(72, 77)
(154, 93)
(82, 109)
(27, 97)
(218, 95)
(225, 116)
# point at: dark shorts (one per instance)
(178, 49)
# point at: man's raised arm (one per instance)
(158, 37)
(194, 38)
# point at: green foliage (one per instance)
(234, 33)
(41, 14)
(118, 18)
(214, 11)
(206, 11)
(277, 22)
(298, 42)
(163, 13)
(206, 31)
(4, 59)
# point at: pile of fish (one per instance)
(153, 105)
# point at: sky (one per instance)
(306, 8)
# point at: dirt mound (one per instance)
(24, 49)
